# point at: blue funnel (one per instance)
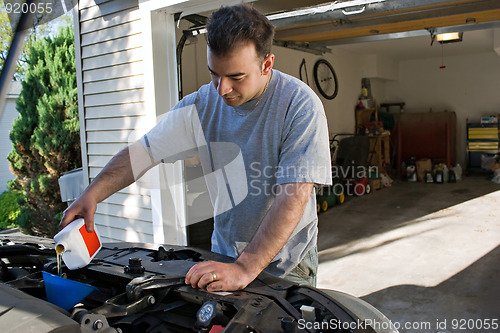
(65, 293)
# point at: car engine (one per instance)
(140, 288)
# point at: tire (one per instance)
(359, 189)
(341, 198)
(324, 206)
(325, 79)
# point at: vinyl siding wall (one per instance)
(111, 90)
(7, 118)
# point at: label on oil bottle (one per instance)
(91, 240)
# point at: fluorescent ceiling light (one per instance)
(323, 8)
(449, 37)
(331, 6)
(201, 31)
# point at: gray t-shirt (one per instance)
(283, 140)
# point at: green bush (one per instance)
(46, 135)
(9, 209)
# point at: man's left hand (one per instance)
(218, 276)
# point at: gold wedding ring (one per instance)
(214, 277)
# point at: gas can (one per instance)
(439, 176)
(411, 173)
(78, 246)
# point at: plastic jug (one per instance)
(78, 246)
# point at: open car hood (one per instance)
(140, 288)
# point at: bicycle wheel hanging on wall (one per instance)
(325, 79)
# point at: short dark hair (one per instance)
(230, 26)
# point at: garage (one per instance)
(432, 238)
(386, 52)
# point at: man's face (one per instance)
(240, 76)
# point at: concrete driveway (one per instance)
(426, 255)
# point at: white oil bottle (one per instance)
(77, 246)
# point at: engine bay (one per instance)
(140, 288)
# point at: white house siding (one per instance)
(8, 116)
(112, 88)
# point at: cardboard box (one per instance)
(375, 184)
(423, 165)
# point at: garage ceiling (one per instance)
(474, 42)
(385, 19)
(399, 28)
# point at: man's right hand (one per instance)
(84, 207)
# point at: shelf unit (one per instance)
(379, 148)
(379, 153)
(363, 116)
(482, 139)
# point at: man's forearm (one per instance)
(116, 175)
(276, 228)
(272, 234)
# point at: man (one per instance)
(274, 123)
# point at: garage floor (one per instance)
(426, 255)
